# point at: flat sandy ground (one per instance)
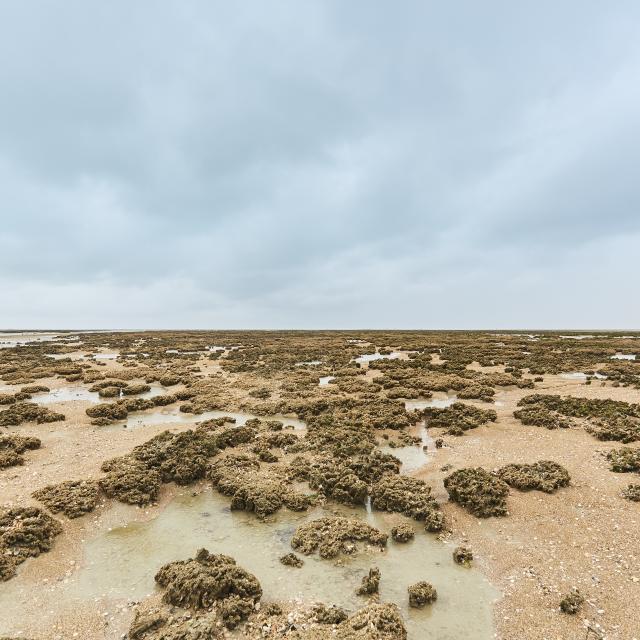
(583, 536)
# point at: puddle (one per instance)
(68, 394)
(8, 340)
(413, 457)
(311, 362)
(172, 415)
(64, 356)
(579, 375)
(370, 357)
(177, 351)
(120, 563)
(439, 401)
(624, 356)
(325, 380)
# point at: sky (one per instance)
(319, 164)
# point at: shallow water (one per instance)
(67, 394)
(370, 357)
(173, 415)
(325, 380)
(579, 375)
(106, 356)
(414, 457)
(66, 356)
(14, 339)
(121, 563)
(624, 356)
(439, 401)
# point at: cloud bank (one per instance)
(317, 163)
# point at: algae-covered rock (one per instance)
(337, 481)
(109, 392)
(624, 460)
(370, 583)
(160, 624)
(402, 533)
(541, 417)
(28, 412)
(462, 555)
(632, 492)
(478, 491)
(345, 480)
(328, 614)
(572, 602)
(409, 496)
(131, 481)
(331, 536)
(135, 389)
(617, 428)
(35, 388)
(74, 498)
(459, 417)
(421, 594)
(182, 458)
(544, 475)
(292, 560)
(169, 380)
(234, 436)
(374, 622)
(239, 476)
(108, 411)
(12, 447)
(207, 579)
(476, 392)
(25, 532)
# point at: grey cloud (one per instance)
(317, 163)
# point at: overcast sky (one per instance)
(301, 163)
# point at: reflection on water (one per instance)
(121, 563)
(624, 356)
(325, 380)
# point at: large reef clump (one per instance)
(25, 532)
(331, 536)
(478, 491)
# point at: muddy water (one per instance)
(120, 564)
